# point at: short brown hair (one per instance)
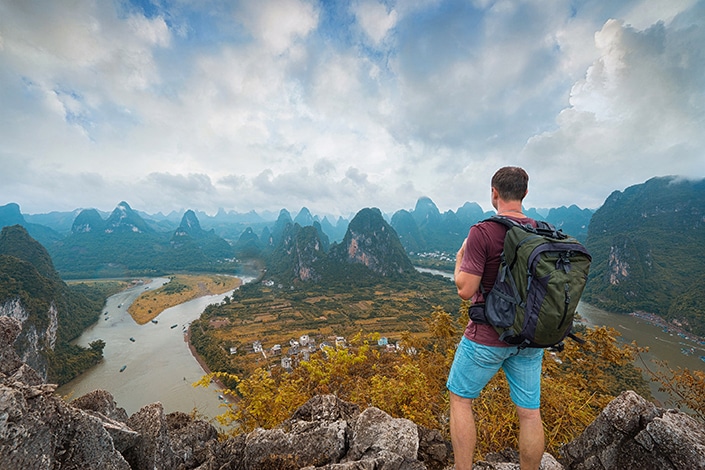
(511, 182)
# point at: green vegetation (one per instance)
(28, 277)
(95, 255)
(647, 247)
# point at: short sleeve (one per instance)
(475, 255)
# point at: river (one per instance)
(158, 365)
(677, 351)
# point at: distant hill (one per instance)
(370, 241)
(124, 244)
(191, 241)
(10, 215)
(52, 314)
(426, 229)
(648, 248)
(370, 248)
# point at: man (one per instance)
(481, 353)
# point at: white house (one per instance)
(286, 362)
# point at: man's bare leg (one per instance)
(531, 438)
(462, 431)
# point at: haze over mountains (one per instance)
(422, 228)
(648, 247)
(648, 243)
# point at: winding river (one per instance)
(148, 363)
(151, 363)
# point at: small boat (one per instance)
(123, 368)
(174, 325)
(220, 397)
(132, 339)
(106, 318)
(155, 321)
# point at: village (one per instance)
(300, 350)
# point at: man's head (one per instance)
(511, 183)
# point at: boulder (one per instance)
(635, 434)
(37, 428)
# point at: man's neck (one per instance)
(510, 210)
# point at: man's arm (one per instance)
(466, 283)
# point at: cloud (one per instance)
(375, 19)
(338, 106)
(638, 107)
(278, 24)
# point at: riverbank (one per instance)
(181, 288)
(206, 370)
(668, 327)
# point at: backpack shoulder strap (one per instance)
(506, 221)
(511, 223)
(542, 227)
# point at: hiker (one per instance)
(481, 353)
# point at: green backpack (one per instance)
(541, 277)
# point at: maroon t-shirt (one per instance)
(482, 258)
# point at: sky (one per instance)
(340, 105)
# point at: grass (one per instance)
(180, 289)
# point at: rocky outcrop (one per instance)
(35, 342)
(632, 433)
(372, 242)
(39, 430)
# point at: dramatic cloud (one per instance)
(338, 106)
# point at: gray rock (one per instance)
(375, 431)
(153, 449)
(508, 459)
(190, 438)
(633, 433)
(102, 402)
(37, 429)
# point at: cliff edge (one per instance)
(39, 430)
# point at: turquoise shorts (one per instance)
(475, 364)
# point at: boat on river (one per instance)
(174, 325)
(132, 339)
(123, 368)
(155, 321)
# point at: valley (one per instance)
(271, 314)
